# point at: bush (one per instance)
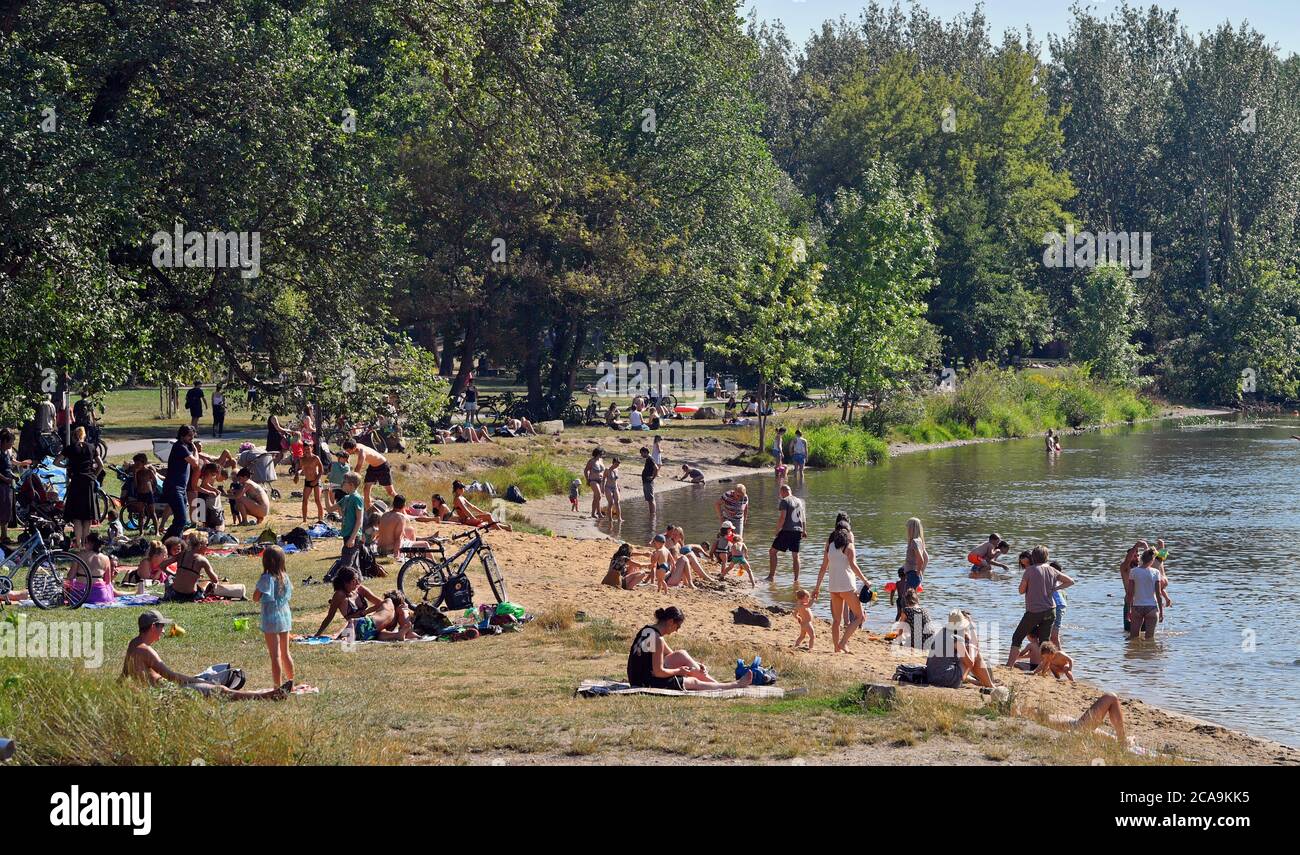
(833, 444)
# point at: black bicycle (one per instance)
(441, 580)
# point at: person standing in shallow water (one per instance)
(918, 558)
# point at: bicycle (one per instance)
(50, 572)
(425, 580)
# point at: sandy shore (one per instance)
(565, 572)
(569, 568)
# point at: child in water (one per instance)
(983, 558)
(804, 616)
(738, 556)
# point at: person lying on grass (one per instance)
(651, 663)
(351, 599)
(390, 620)
(467, 514)
(1106, 707)
(143, 664)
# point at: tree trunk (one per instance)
(762, 416)
(467, 348)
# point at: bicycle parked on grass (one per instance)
(430, 576)
(55, 577)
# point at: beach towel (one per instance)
(303, 689)
(601, 688)
(127, 602)
(317, 640)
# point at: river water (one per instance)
(1223, 493)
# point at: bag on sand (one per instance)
(762, 676)
(746, 617)
(914, 674)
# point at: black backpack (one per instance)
(514, 494)
(914, 674)
(298, 538)
(459, 594)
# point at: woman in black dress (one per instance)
(277, 438)
(82, 461)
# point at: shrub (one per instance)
(837, 444)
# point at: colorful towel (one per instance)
(130, 601)
(601, 688)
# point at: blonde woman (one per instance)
(917, 560)
(82, 461)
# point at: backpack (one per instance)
(268, 535)
(762, 676)
(459, 594)
(746, 617)
(914, 674)
(514, 494)
(224, 674)
(429, 620)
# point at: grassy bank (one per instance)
(508, 698)
(1000, 403)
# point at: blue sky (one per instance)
(1278, 20)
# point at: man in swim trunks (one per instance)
(395, 530)
(374, 467)
(143, 664)
(389, 621)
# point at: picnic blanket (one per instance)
(127, 602)
(601, 688)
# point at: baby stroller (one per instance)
(261, 465)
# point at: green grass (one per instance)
(991, 402)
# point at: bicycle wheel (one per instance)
(103, 449)
(51, 577)
(495, 579)
(669, 401)
(422, 581)
(103, 504)
(573, 415)
(489, 416)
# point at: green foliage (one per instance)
(1103, 323)
(835, 444)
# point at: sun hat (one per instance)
(728, 524)
(957, 620)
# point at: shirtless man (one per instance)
(395, 530)
(373, 466)
(467, 514)
(311, 469)
(251, 499)
(143, 664)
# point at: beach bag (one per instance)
(224, 674)
(428, 620)
(762, 676)
(268, 535)
(914, 674)
(746, 617)
(508, 608)
(459, 594)
(514, 494)
(227, 591)
(866, 595)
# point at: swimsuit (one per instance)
(365, 629)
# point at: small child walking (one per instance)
(273, 591)
(574, 486)
(803, 614)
